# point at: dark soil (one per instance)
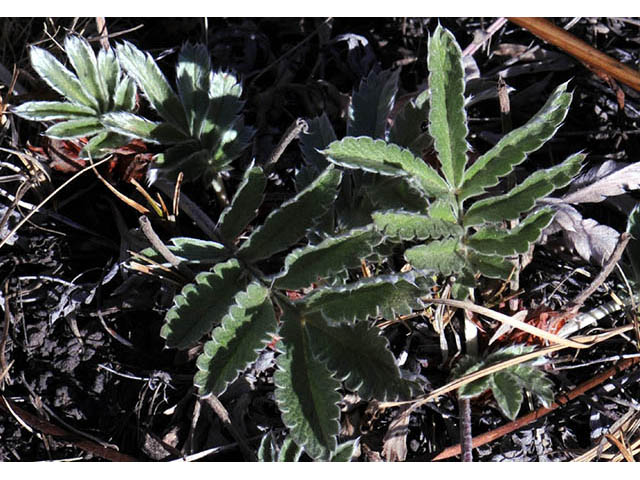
(81, 331)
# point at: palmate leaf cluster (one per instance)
(201, 121)
(460, 227)
(96, 87)
(326, 340)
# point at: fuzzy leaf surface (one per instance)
(144, 70)
(133, 125)
(441, 256)
(85, 64)
(224, 107)
(331, 256)
(385, 295)
(58, 77)
(490, 240)
(289, 223)
(447, 116)
(378, 156)
(244, 205)
(110, 74)
(360, 356)
(514, 147)
(523, 197)
(371, 104)
(193, 77)
(124, 97)
(290, 451)
(345, 451)
(201, 305)
(414, 226)
(45, 111)
(81, 127)
(492, 266)
(236, 342)
(306, 392)
(507, 392)
(192, 250)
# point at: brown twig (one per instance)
(571, 44)
(541, 412)
(162, 249)
(298, 125)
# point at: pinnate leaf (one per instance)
(522, 198)
(287, 224)
(236, 342)
(331, 256)
(442, 256)
(514, 147)
(413, 226)
(306, 391)
(360, 356)
(490, 240)
(447, 116)
(201, 305)
(244, 205)
(385, 295)
(379, 157)
(133, 125)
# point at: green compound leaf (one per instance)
(110, 75)
(236, 342)
(522, 198)
(244, 205)
(224, 108)
(360, 356)
(408, 127)
(133, 125)
(535, 381)
(45, 111)
(492, 266)
(289, 223)
(58, 77)
(193, 81)
(85, 64)
(201, 305)
(447, 116)
(385, 295)
(465, 366)
(403, 225)
(345, 451)
(290, 451)
(83, 127)
(442, 256)
(507, 392)
(267, 449)
(124, 97)
(490, 240)
(143, 69)
(514, 147)
(379, 157)
(103, 144)
(371, 104)
(306, 391)
(331, 256)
